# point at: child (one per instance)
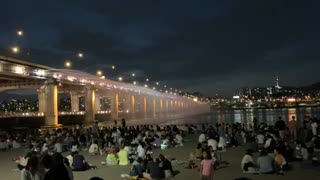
(206, 167)
(111, 158)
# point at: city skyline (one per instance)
(210, 46)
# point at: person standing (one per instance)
(314, 127)
(123, 122)
(293, 128)
(206, 167)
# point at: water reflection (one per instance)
(268, 116)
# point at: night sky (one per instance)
(211, 46)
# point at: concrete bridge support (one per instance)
(90, 104)
(51, 103)
(75, 101)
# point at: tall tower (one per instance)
(277, 83)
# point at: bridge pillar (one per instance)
(167, 105)
(41, 99)
(51, 103)
(160, 105)
(74, 101)
(154, 105)
(129, 104)
(90, 104)
(114, 98)
(97, 103)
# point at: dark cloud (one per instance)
(209, 45)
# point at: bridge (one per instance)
(128, 101)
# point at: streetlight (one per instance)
(157, 83)
(154, 88)
(103, 77)
(99, 72)
(147, 80)
(146, 85)
(133, 74)
(120, 78)
(165, 86)
(20, 33)
(80, 55)
(113, 67)
(68, 64)
(134, 82)
(15, 49)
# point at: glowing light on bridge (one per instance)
(20, 33)
(195, 99)
(135, 82)
(154, 88)
(103, 77)
(70, 78)
(68, 64)
(120, 78)
(157, 83)
(15, 49)
(99, 72)
(80, 55)
(19, 70)
(146, 85)
(40, 72)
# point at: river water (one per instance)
(269, 116)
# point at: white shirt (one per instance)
(246, 159)
(202, 138)
(268, 142)
(178, 139)
(93, 148)
(141, 151)
(260, 139)
(314, 127)
(213, 143)
(58, 147)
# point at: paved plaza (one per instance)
(233, 156)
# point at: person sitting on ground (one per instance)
(68, 167)
(58, 147)
(79, 163)
(166, 166)
(222, 143)
(153, 169)
(16, 144)
(247, 161)
(3, 145)
(57, 170)
(264, 163)
(198, 151)
(123, 156)
(94, 149)
(260, 140)
(178, 139)
(157, 141)
(141, 150)
(111, 158)
(202, 138)
(280, 163)
(304, 152)
(213, 143)
(136, 168)
(165, 143)
(31, 171)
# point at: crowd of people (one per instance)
(56, 153)
(120, 145)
